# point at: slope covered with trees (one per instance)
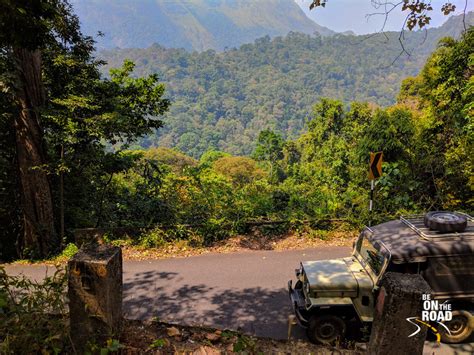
(426, 138)
(223, 100)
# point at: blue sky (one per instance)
(344, 15)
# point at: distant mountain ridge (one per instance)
(191, 24)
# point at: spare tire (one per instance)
(444, 222)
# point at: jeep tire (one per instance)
(445, 221)
(458, 326)
(326, 329)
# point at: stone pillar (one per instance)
(95, 294)
(400, 297)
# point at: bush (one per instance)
(33, 314)
(215, 229)
(154, 238)
(68, 252)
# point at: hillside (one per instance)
(223, 100)
(190, 24)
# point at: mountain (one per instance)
(222, 100)
(190, 24)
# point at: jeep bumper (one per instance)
(298, 303)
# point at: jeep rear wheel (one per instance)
(326, 329)
(458, 326)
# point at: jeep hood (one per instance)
(330, 278)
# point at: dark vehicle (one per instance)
(329, 294)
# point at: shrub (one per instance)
(153, 238)
(68, 252)
(33, 314)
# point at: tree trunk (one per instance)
(35, 189)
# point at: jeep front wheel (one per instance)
(326, 329)
(458, 327)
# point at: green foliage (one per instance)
(158, 343)
(67, 253)
(170, 157)
(244, 344)
(322, 174)
(298, 172)
(215, 229)
(269, 147)
(209, 157)
(33, 314)
(83, 116)
(222, 101)
(110, 346)
(240, 170)
(443, 94)
(269, 150)
(87, 113)
(154, 238)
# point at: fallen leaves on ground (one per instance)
(253, 241)
(162, 338)
(173, 331)
(249, 242)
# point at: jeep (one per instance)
(330, 294)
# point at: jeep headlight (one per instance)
(307, 288)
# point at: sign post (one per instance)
(375, 171)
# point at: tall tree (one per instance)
(26, 28)
(270, 149)
(64, 115)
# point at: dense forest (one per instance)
(223, 100)
(426, 138)
(60, 118)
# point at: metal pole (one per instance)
(371, 203)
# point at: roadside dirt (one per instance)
(254, 241)
(241, 243)
(163, 338)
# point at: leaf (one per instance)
(173, 331)
(212, 336)
(159, 343)
(113, 345)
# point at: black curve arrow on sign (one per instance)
(373, 166)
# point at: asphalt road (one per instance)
(245, 291)
(240, 291)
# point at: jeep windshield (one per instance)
(370, 255)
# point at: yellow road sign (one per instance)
(375, 167)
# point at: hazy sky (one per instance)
(344, 15)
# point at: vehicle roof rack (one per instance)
(416, 223)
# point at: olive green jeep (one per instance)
(331, 294)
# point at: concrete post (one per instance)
(95, 294)
(400, 297)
